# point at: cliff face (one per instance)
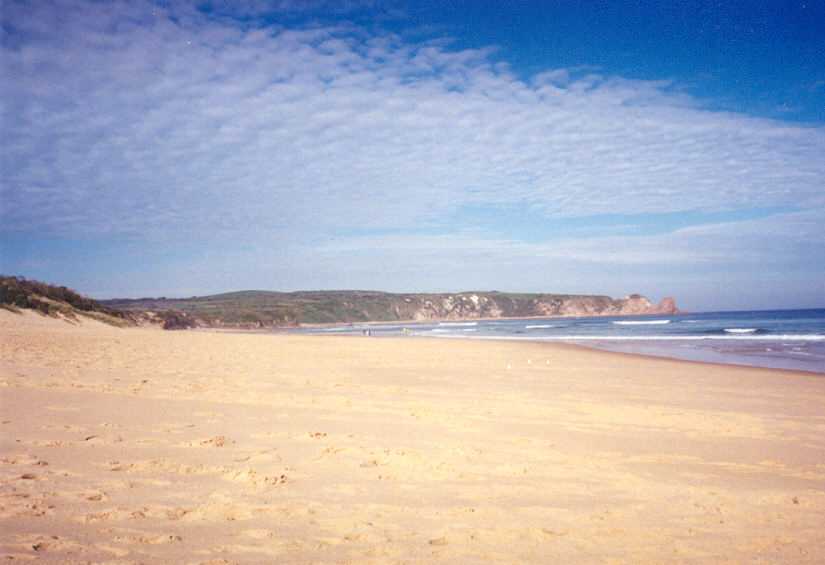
(482, 305)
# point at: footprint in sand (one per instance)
(174, 428)
(217, 441)
(37, 544)
(175, 514)
(113, 514)
(258, 534)
(63, 427)
(20, 504)
(100, 440)
(93, 496)
(46, 443)
(259, 456)
(19, 556)
(118, 466)
(22, 459)
(62, 408)
(251, 476)
(143, 539)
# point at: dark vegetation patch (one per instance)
(177, 320)
(20, 293)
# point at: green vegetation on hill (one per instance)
(278, 309)
(52, 300)
(260, 308)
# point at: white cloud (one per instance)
(119, 118)
(785, 239)
(270, 145)
(777, 261)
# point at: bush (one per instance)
(173, 320)
(24, 293)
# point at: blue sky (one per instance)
(176, 149)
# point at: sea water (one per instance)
(785, 339)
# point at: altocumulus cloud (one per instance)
(134, 118)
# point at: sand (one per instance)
(143, 446)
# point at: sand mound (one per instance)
(31, 320)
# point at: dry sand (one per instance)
(142, 446)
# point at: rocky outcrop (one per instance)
(453, 307)
(667, 306)
(639, 305)
(477, 305)
(177, 321)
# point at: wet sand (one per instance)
(143, 446)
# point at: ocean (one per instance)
(782, 339)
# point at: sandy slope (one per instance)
(140, 446)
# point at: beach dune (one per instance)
(143, 446)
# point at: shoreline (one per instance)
(571, 342)
(666, 353)
(697, 338)
(468, 320)
(608, 352)
(732, 363)
(717, 364)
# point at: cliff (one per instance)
(261, 309)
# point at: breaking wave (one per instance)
(672, 338)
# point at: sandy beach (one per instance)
(143, 446)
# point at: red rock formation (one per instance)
(667, 306)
